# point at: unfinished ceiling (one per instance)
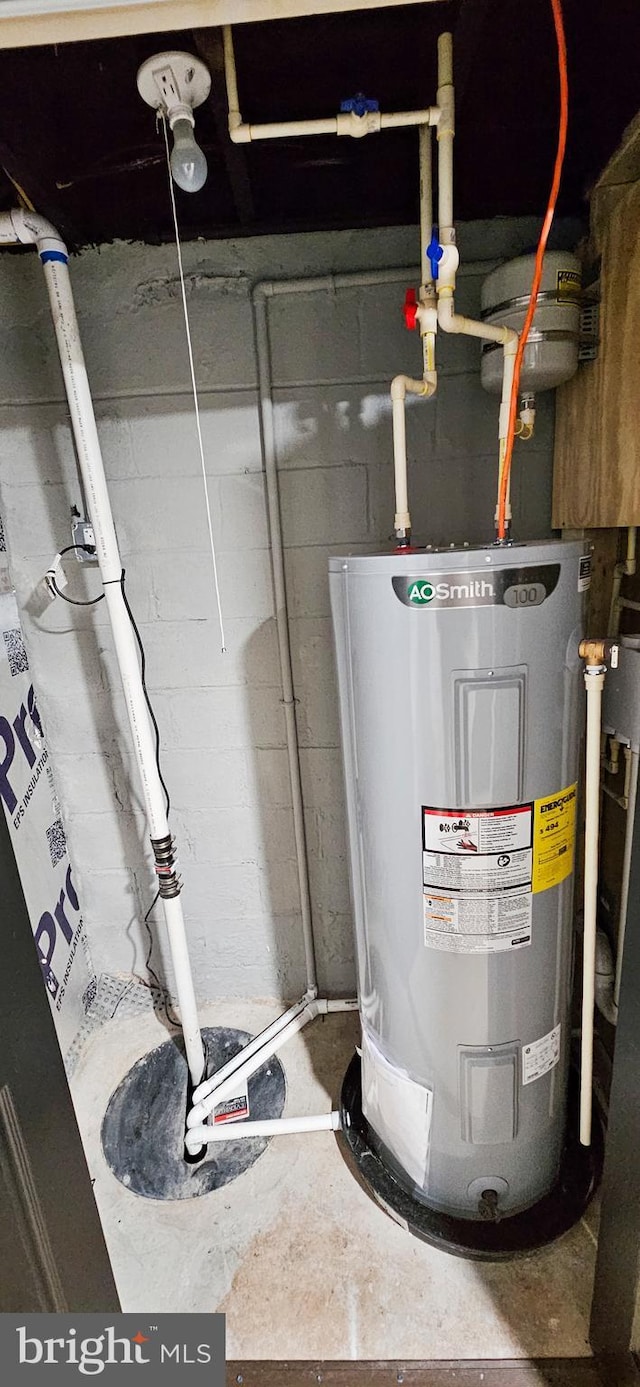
(76, 137)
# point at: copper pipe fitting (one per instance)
(595, 652)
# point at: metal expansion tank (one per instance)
(460, 693)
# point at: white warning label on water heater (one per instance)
(541, 1056)
(477, 867)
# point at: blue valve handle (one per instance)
(434, 253)
(360, 104)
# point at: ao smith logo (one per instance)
(92, 1355)
(471, 591)
(419, 593)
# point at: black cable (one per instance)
(143, 668)
(172, 1020)
(73, 601)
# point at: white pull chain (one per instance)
(194, 387)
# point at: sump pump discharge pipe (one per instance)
(594, 653)
(27, 228)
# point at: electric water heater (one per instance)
(460, 696)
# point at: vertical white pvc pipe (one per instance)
(445, 135)
(282, 626)
(95, 483)
(594, 683)
(426, 204)
(626, 873)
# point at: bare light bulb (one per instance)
(188, 163)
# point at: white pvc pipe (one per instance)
(393, 120)
(253, 1047)
(594, 683)
(399, 387)
(345, 123)
(31, 229)
(282, 627)
(626, 873)
(446, 133)
(426, 204)
(270, 1127)
(228, 1087)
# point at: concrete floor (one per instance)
(301, 1261)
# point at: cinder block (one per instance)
(263, 959)
(466, 418)
(188, 654)
(184, 587)
(325, 506)
(279, 887)
(205, 779)
(227, 837)
(307, 576)
(216, 893)
(224, 718)
(314, 680)
(326, 426)
(322, 777)
(162, 437)
(85, 783)
(269, 778)
(36, 447)
(315, 337)
(241, 511)
(335, 949)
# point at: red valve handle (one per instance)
(410, 309)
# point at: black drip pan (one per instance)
(514, 1236)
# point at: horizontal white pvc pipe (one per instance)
(28, 228)
(594, 683)
(198, 1137)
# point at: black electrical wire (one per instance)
(143, 670)
(73, 601)
(155, 981)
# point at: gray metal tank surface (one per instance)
(461, 712)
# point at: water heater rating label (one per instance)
(478, 924)
(554, 835)
(541, 1056)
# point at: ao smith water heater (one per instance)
(461, 697)
(461, 709)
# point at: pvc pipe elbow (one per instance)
(398, 388)
(239, 133)
(30, 229)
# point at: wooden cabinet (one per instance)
(597, 442)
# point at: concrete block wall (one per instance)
(224, 755)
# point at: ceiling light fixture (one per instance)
(173, 84)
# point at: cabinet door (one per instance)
(52, 1250)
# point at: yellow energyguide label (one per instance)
(554, 834)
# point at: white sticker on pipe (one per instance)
(541, 1056)
(398, 1109)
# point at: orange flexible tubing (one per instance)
(503, 489)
